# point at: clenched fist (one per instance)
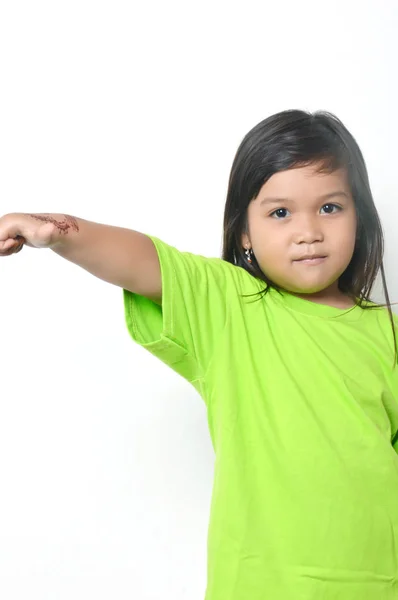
(40, 230)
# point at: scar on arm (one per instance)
(63, 225)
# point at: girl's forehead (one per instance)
(305, 178)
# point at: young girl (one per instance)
(296, 365)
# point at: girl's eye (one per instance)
(332, 206)
(277, 213)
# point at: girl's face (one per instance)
(300, 213)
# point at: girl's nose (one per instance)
(308, 231)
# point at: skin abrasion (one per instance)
(63, 225)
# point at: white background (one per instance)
(130, 113)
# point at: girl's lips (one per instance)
(311, 261)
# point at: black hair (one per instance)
(296, 138)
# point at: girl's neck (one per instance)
(334, 298)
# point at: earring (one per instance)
(248, 253)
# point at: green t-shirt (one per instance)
(302, 405)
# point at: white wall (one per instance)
(130, 113)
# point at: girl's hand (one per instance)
(19, 229)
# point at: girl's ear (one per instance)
(245, 241)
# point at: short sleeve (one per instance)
(196, 299)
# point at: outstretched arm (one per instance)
(120, 256)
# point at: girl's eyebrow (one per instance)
(274, 200)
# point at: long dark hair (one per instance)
(296, 138)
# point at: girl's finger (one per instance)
(11, 246)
